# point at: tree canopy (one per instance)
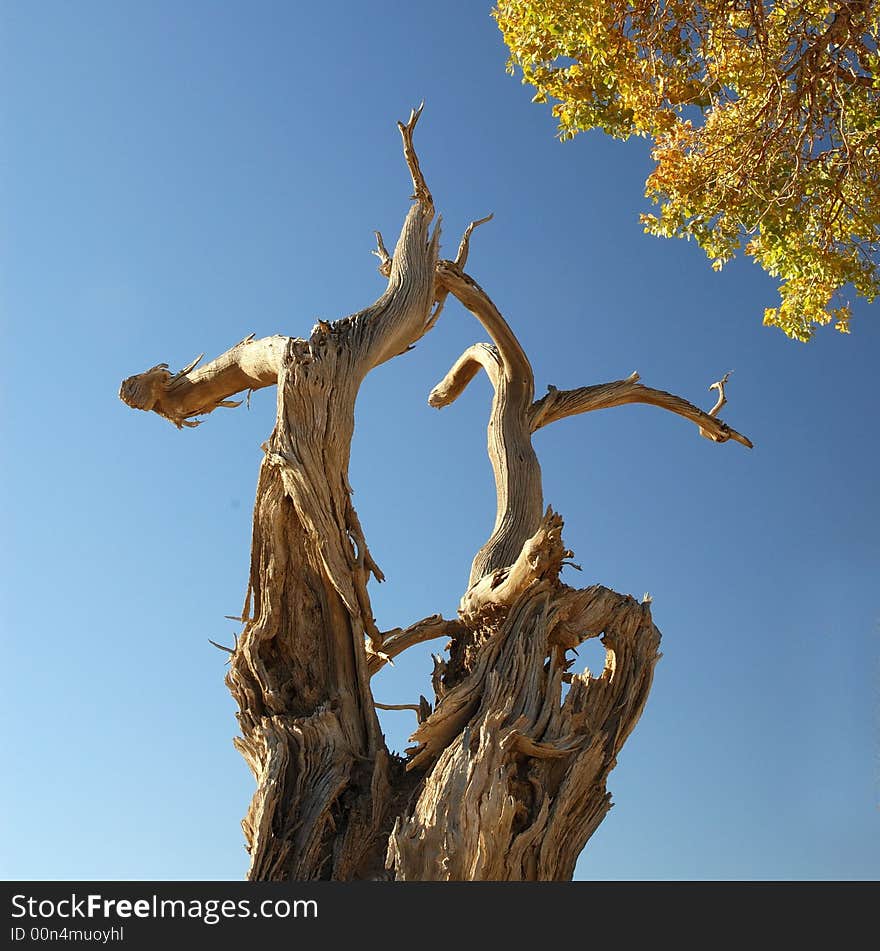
(765, 122)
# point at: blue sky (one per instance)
(176, 176)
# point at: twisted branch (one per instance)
(519, 497)
(514, 417)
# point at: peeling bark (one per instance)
(506, 780)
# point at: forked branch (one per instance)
(507, 778)
(452, 279)
(372, 336)
(421, 192)
(441, 292)
(465, 243)
(558, 404)
(519, 497)
(396, 641)
(514, 417)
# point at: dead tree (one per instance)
(505, 780)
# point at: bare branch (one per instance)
(464, 245)
(422, 709)
(722, 399)
(514, 463)
(382, 254)
(386, 262)
(441, 294)
(453, 280)
(514, 418)
(229, 650)
(396, 641)
(558, 404)
(249, 365)
(519, 498)
(420, 188)
(463, 371)
(402, 315)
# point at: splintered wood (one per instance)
(505, 780)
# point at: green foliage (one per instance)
(765, 122)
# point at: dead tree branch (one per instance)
(558, 404)
(396, 641)
(505, 780)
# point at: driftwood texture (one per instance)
(506, 780)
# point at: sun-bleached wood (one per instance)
(400, 639)
(514, 417)
(517, 779)
(506, 780)
(558, 404)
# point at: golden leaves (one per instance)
(765, 119)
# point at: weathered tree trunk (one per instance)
(506, 780)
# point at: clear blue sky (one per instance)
(176, 176)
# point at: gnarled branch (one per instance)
(396, 641)
(300, 669)
(517, 472)
(517, 368)
(517, 780)
(465, 368)
(514, 417)
(558, 404)
(507, 779)
(388, 327)
(194, 391)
